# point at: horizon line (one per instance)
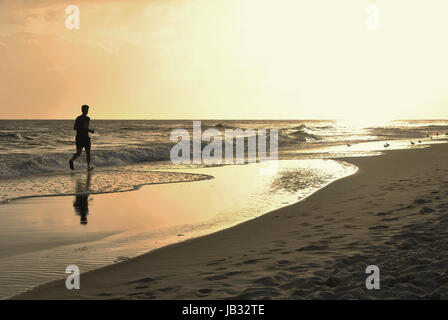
(217, 119)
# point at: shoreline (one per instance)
(131, 188)
(212, 271)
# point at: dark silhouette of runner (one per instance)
(82, 136)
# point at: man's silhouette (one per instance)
(82, 137)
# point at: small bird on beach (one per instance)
(437, 133)
(412, 142)
(419, 141)
(386, 145)
(349, 145)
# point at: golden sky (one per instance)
(234, 59)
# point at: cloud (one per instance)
(24, 15)
(48, 76)
(39, 72)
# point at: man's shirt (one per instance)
(82, 126)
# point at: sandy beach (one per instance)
(391, 213)
(223, 150)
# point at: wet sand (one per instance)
(391, 213)
(40, 237)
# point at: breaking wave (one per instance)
(23, 164)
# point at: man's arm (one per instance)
(88, 124)
(76, 126)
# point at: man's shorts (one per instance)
(82, 142)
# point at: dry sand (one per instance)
(391, 213)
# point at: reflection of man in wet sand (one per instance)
(81, 203)
(82, 137)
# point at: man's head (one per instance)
(85, 109)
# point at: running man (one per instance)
(82, 137)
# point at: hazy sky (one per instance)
(237, 59)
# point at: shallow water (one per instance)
(104, 180)
(40, 237)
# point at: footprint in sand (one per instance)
(296, 268)
(267, 281)
(215, 262)
(221, 269)
(421, 201)
(168, 289)
(204, 291)
(384, 213)
(312, 247)
(144, 280)
(253, 261)
(217, 277)
(426, 210)
(283, 262)
(389, 219)
(336, 237)
(104, 294)
(379, 227)
(281, 243)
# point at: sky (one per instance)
(224, 59)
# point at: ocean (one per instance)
(34, 153)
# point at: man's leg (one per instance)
(88, 156)
(75, 155)
(87, 148)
